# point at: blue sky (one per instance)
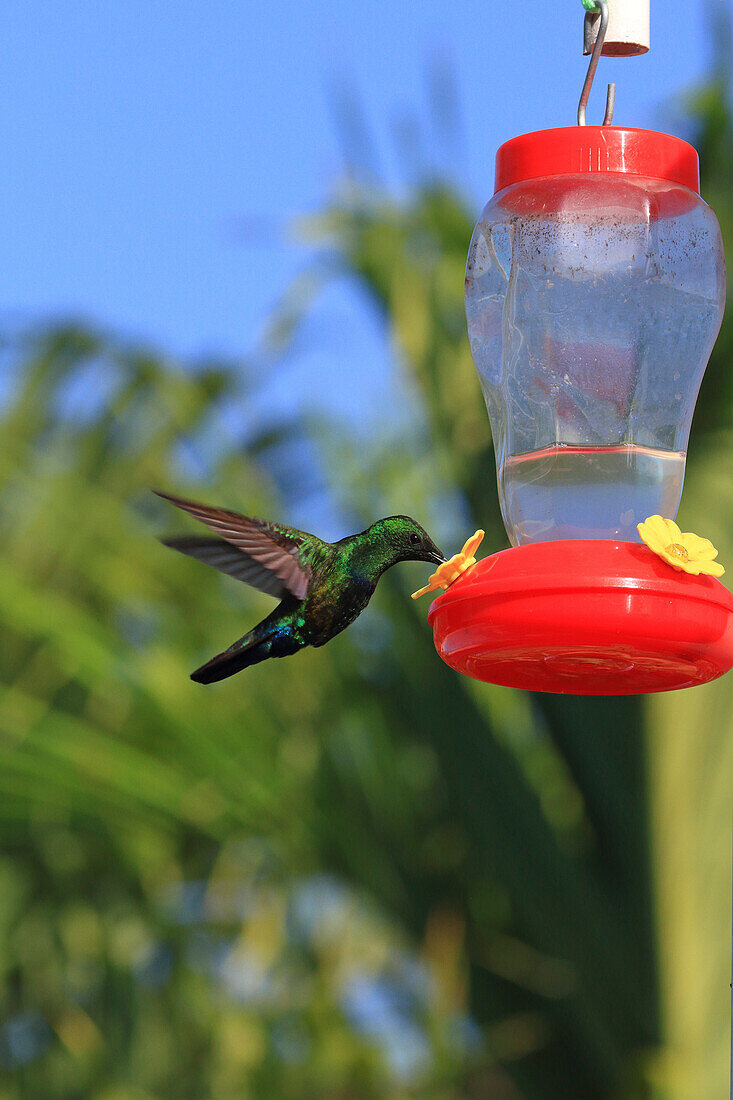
(155, 154)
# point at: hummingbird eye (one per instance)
(415, 538)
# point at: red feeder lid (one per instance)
(584, 618)
(587, 150)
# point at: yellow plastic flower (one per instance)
(452, 569)
(685, 552)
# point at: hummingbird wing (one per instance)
(228, 559)
(275, 548)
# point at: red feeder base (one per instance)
(584, 618)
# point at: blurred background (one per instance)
(233, 253)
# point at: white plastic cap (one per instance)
(628, 28)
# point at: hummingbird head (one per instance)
(407, 540)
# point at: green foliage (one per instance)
(558, 825)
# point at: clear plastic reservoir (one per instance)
(593, 303)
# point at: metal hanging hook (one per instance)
(593, 65)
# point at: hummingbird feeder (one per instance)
(595, 289)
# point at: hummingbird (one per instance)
(322, 586)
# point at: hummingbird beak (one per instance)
(438, 558)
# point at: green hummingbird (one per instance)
(322, 586)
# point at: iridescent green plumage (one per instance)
(322, 586)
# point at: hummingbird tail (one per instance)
(249, 650)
